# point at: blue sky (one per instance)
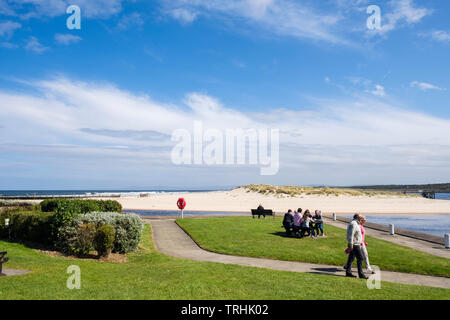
(95, 107)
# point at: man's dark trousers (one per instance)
(356, 252)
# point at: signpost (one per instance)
(9, 229)
(181, 204)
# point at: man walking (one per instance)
(354, 239)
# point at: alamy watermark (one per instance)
(74, 280)
(374, 281)
(374, 21)
(74, 20)
(258, 147)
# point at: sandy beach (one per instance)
(239, 200)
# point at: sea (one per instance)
(87, 193)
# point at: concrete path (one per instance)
(420, 245)
(170, 239)
(14, 272)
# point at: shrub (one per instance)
(128, 228)
(104, 240)
(65, 210)
(26, 226)
(80, 206)
(109, 206)
(77, 239)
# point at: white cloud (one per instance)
(96, 117)
(67, 39)
(440, 35)
(424, 86)
(5, 9)
(8, 45)
(183, 15)
(404, 12)
(34, 45)
(7, 28)
(130, 20)
(379, 91)
(282, 17)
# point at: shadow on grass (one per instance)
(30, 244)
(50, 250)
(283, 234)
(331, 271)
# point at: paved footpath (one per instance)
(14, 272)
(170, 239)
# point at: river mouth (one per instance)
(434, 224)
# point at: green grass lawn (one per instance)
(248, 237)
(151, 275)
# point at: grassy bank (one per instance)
(294, 191)
(244, 236)
(150, 275)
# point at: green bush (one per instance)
(80, 206)
(65, 210)
(26, 226)
(104, 240)
(128, 228)
(76, 239)
(109, 206)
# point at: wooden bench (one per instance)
(3, 259)
(264, 213)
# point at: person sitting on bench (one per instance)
(288, 222)
(260, 211)
(306, 224)
(298, 221)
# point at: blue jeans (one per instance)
(319, 227)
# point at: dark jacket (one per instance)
(288, 219)
(318, 219)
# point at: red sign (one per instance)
(181, 203)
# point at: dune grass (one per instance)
(294, 191)
(249, 237)
(151, 275)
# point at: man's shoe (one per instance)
(350, 275)
(363, 277)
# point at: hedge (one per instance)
(65, 210)
(127, 235)
(31, 226)
(78, 206)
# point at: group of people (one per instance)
(357, 247)
(306, 224)
(311, 225)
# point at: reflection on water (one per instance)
(443, 196)
(435, 224)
